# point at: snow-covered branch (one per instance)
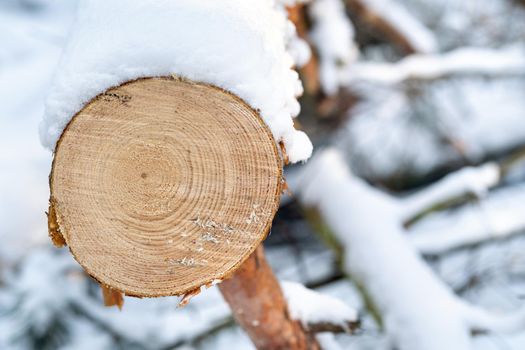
(469, 180)
(395, 22)
(506, 61)
(379, 256)
(498, 216)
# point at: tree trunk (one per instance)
(258, 305)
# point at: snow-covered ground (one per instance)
(404, 124)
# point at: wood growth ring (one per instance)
(160, 186)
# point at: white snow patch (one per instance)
(310, 307)
(237, 45)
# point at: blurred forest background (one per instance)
(422, 99)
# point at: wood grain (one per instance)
(162, 185)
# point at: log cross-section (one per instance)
(162, 185)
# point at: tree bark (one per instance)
(258, 306)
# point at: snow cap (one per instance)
(238, 45)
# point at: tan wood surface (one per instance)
(162, 185)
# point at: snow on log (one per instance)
(296, 46)
(308, 65)
(379, 256)
(237, 45)
(507, 61)
(161, 186)
(259, 306)
(318, 312)
(393, 21)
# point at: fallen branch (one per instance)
(394, 22)
(508, 61)
(464, 184)
(469, 180)
(497, 216)
(379, 256)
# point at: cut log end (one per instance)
(161, 185)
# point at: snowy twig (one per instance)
(507, 61)
(498, 216)
(469, 180)
(393, 21)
